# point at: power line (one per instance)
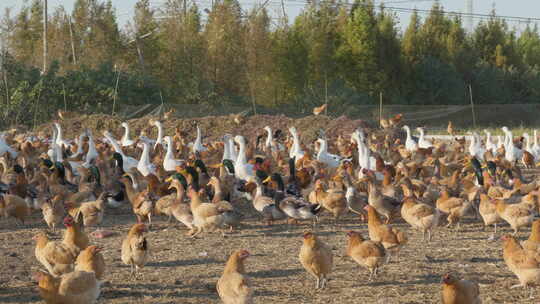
(426, 11)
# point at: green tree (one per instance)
(290, 65)
(357, 53)
(410, 43)
(96, 34)
(26, 41)
(223, 36)
(258, 61)
(182, 56)
(318, 25)
(528, 45)
(145, 46)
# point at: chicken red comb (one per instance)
(68, 220)
(244, 253)
(37, 275)
(94, 248)
(307, 234)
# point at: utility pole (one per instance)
(45, 44)
(469, 17)
(472, 106)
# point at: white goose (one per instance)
(500, 142)
(59, 140)
(51, 152)
(535, 147)
(159, 140)
(331, 160)
(270, 144)
(226, 150)
(365, 160)
(528, 146)
(126, 141)
(229, 149)
(242, 169)
(475, 147)
(422, 142)
(169, 163)
(128, 162)
(197, 145)
(144, 166)
(296, 150)
(490, 146)
(410, 143)
(92, 154)
(55, 153)
(232, 149)
(512, 153)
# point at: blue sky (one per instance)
(522, 8)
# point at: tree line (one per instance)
(332, 51)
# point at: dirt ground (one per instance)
(185, 270)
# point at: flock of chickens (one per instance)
(381, 176)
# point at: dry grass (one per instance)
(185, 270)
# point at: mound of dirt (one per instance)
(212, 127)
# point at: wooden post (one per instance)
(64, 91)
(45, 43)
(116, 92)
(380, 108)
(4, 74)
(326, 93)
(36, 106)
(472, 107)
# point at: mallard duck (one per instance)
(296, 207)
(202, 171)
(173, 204)
(141, 202)
(266, 206)
(127, 162)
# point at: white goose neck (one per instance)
(242, 153)
(159, 139)
(126, 132)
(145, 157)
(80, 144)
(270, 137)
(232, 150)
(409, 137)
(169, 152)
(59, 134)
